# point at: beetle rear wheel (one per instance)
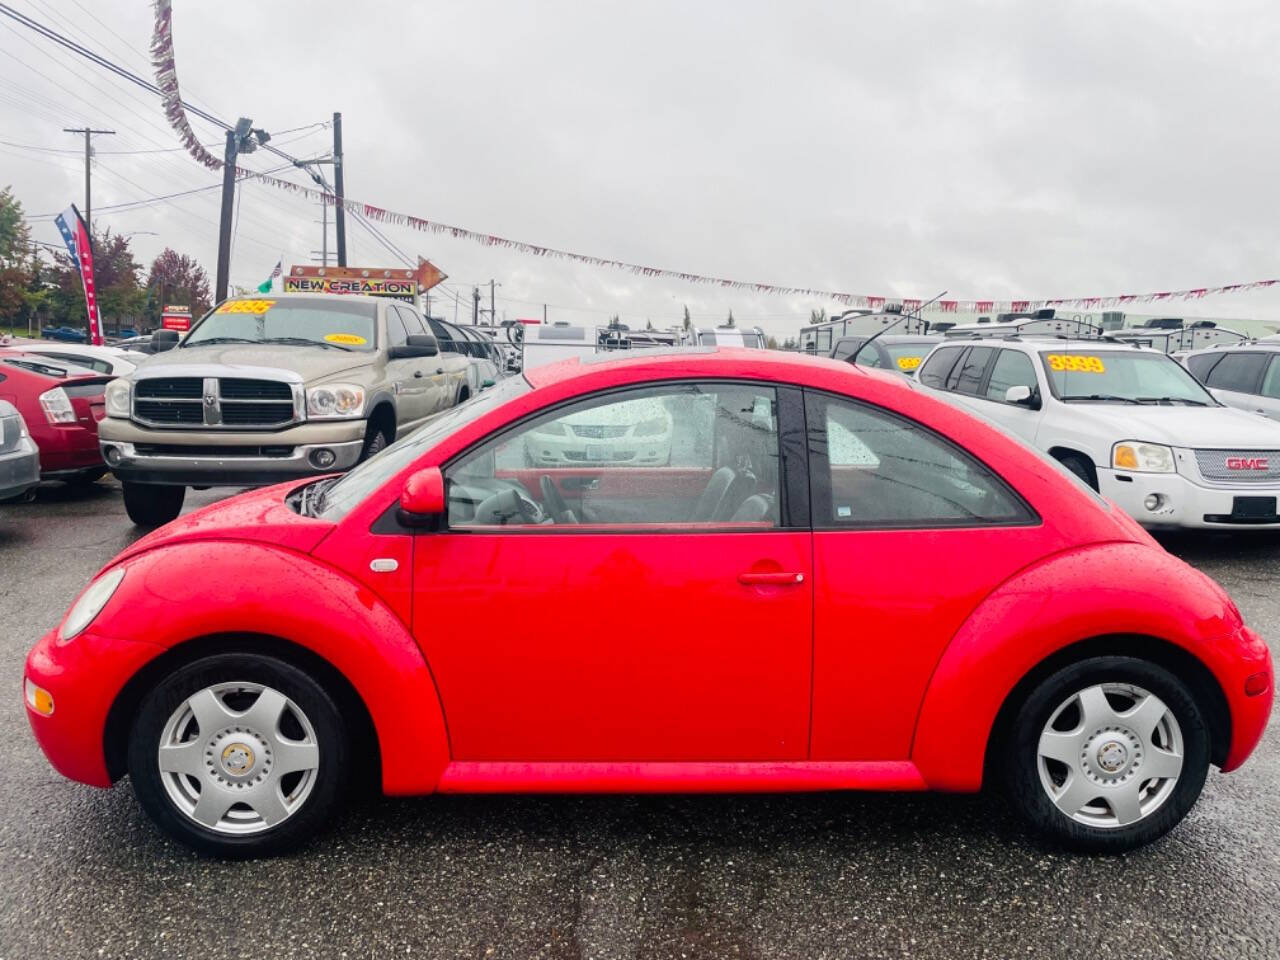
(238, 755)
(1108, 754)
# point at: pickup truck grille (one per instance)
(227, 402)
(1239, 466)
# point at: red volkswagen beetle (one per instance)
(826, 580)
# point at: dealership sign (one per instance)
(176, 318)
(398, 282)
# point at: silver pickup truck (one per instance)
(272, 387)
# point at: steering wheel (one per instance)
(529, 510)
(508, 505)
(554, 500)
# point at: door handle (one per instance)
(440, 371)
(417, 373)
(772, 578)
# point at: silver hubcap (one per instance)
(1110, 755)
(238, 758)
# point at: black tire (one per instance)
(151, 504)
(375, 441)
(1081, 467)
(318, 807)
(1020, 755)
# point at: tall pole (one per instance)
(88, 194)
(544, 313)
(475, 305)
(324, 236)
(224, 225)
(340, 214)
(493, 316)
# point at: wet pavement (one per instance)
(84, 874)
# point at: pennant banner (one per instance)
(162, 59)
(74, 235)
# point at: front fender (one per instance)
(178, 593)
(1099, 590)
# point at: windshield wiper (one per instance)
(1101, 396)
(203, 340)
(307, 342)
(1187, 400)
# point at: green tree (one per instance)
(115, 277)
(818, 316)
(688, 320)
(771, 343)
(15, 258)
(729, 322)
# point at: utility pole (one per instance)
(224, 224)
(475, 305)
(544, 313)
(340, 214)
(88, 154)
(493, 316)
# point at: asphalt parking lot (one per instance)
(84, 874)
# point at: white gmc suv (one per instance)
(1127, 420)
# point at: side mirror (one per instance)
(1023, 396)
(417, 345)
(164, 340)
(422, 498)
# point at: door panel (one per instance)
(639, 646)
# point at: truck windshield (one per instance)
(338, 499)
(1115, 376)
(301, 321)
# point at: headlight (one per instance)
(334, 401)
(553, 429)
(651, 428)
(57, 406)
(1142, 457)
(118, 394)
(90, 604)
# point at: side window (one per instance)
(1012, 369)
(844, 348)
(938, 367)
(971, 371)
(1271, 382)
(703, 455)
(444, 337)
(1238, 371)
(876, 469)
(396, 334)
(411, 320)
(1201, 364)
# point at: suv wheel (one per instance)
(1107, 754)
(238, 755)
(1081, 467)
(152, 505)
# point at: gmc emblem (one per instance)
(1248, 463)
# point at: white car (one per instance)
(1127, 420)
(1244, 375)
(109, 360)
(633, 432)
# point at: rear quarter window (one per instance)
(938, 367)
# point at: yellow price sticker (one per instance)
(246, 306)
(348, 338)
(1075, 363)
(909, 363)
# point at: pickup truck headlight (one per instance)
(57, 406)
(1142, 457)
(119, 392)
(90, 604)
(334, 401)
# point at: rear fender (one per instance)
(1095, 591)
(170, 597)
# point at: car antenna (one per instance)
(885, 329)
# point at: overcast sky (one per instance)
(993, 149)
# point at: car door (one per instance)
(1013, 368)
(910, 534)
(676, 635)
(410, 378)
(1236, 379)
(454, 369)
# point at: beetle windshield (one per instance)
(302, 321)
(1122, 376)
(340, 498)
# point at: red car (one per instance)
(836, 582)
(62, 405)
